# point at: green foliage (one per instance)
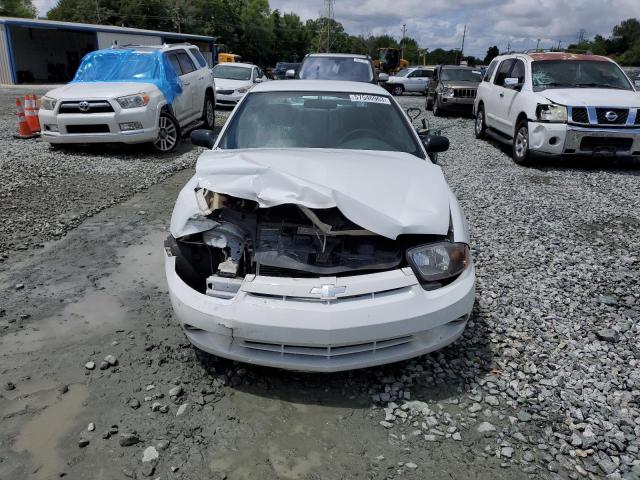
(623, 45)
(17, 8)
(492, 52)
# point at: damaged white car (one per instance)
(317, 235)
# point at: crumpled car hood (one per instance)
(388, 193)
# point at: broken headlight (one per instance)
(439, 261)
(552, 113)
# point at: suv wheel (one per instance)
(168, 133)
(480, 127)
(209, 113)
(521, 153)
(397, 90)
(429, 104)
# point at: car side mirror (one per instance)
(203, 138)
(435, 143)
(291, 73)
(383, 77)
(512, 83)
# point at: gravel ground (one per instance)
(545, 382)
(44, 192)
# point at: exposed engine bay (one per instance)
(287, 240)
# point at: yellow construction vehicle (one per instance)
(229, 57)
(389, 61)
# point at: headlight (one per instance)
(552, 113)
(48, 103)
(243, 89)
(133, 101)
(447, 92)
(439, 261)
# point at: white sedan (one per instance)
(317, 235)
(233, 81)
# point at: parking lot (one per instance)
(545, 382)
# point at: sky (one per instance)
(440, 23)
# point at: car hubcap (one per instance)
(522, 142)
(210, 114)
(167, 135)
(479, 122)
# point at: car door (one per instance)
(190, 83)
(204, 79)
(495, 109)
(182, 104)
(507, 117)
(413, 82)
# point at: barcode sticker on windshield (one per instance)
(361, 60)
(370, 99)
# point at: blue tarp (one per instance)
(115, 65)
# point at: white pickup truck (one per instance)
(558, 103)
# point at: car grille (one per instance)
(95, 106)
(464, 92)
(99, 128)
(224, 92)
(621, 116)
(606, 144)
(579, 115)
(343, 299)
(329, 351)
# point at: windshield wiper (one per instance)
(554, 84)
(599, 85)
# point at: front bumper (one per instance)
(145, 116)
(386, 317)
(566, 139)
(455, 102)
(231, 99)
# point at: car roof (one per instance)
(338, 55)
(237, 64)
(562, 56)
(166, 46)
(321, 86)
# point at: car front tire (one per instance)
(437, 110)
(480, 126)
(209, 113)
(521, 154)
(168, 133)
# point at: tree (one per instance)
(492, 52)
(17, 8)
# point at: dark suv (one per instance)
(280, 70)
(452, 87)
(337, 66)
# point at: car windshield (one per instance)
(577, 74)
(336, 68)
(461, 75)
(232, 73)
(352, 121)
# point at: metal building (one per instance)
(45, 51)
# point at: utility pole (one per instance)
(464, 34)
(328, 7)
(509, 47)
(581, 35)
(538, 44)
(404, 32)
(97, 11)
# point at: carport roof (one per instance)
(36, 23)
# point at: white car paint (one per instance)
(187, 107)
(414, 81)
(287, 322)
(503, 107)
(229, 91)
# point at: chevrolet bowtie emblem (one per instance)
(328, 292)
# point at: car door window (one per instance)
(518, 71)
(490, 70)
(198, 56)
(413, 74)
(186, 64)
(503, 71)
(173, 59)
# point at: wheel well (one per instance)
(521, 117)
(209, 91)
